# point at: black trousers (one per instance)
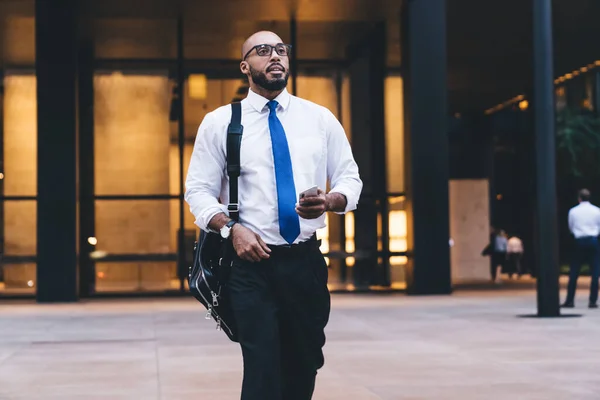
(498, 260)
(587, 251)
(513, 264)
(281, 307)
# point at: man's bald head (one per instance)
(262, 37)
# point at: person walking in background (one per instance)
(278, 281)
(499, 254)
(584, 224)
(514, 251)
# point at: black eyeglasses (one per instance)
(265, 50)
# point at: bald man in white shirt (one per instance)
(584, 224)
(278, 281)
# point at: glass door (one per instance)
(137, 196)
(18, 183)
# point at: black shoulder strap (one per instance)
(234, 142)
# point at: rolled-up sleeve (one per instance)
(205, 173)
(342, 170)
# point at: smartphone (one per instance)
(313, 191)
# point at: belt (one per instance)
(294, 248)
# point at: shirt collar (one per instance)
(259, 103)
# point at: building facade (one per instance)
(100, 106)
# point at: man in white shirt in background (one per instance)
(278, 282)
(584, 224)
(514, 251)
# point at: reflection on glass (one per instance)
(136, 276)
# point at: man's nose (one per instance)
(274, 56)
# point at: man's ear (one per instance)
(244, 67)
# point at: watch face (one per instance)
(225, 232)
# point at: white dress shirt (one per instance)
(319, 150)
(584, 220)
(514, 245)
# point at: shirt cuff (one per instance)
(351, 199)
(204, 219)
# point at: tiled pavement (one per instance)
(470, 345)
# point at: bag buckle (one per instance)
(234, 207)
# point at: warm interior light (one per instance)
(568, 76)
(93, 241)
(398, 260)
(398, 231)
(349, 223)
(101, 275)
(197, 86)
(323, 235)
(587, 104)
(1, 176)
(30, 283)
(523, 105)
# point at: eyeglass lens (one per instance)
(265, 50)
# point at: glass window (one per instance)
(136, 276)
(18, 246)
(394, 133)
(129, 38)
(398, 241)
(137, 226)
(133, 134)
(17, 32)
(19, 167)
(136, 244)
(214, 40)
(18, 148)
(18, 183)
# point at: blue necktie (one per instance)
(289, 223)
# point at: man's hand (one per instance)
(312, 207)
(248, 245)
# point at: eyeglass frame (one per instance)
(288, 46)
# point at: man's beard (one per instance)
(273, 85)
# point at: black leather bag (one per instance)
(213, 255)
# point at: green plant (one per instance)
(578, 143)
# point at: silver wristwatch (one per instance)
(226, 229)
